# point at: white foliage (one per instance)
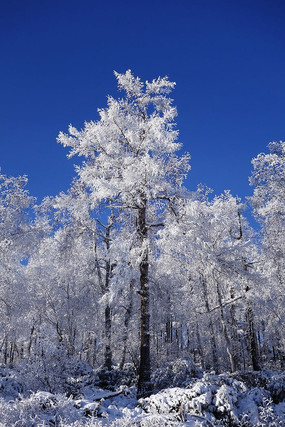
(268, 201)
(129, 151)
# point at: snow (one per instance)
(212, 400)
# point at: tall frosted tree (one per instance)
(17, 241)
(131, 165)
(268, 201)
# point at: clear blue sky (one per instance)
(57, 62)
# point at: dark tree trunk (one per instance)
(128, 314)
(108, 351)
(31, 339)
(105, 287)
(144, 384)
(252, 335)
(108, 318)
(234, 334)
(211, 327)
(168, 325)
(225, 331)
(199, 346)
(253, 340)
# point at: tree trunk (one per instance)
(253, 340)
(144, 384)
(105, 287)
(225, 331)
(211, 327)
(234, 333)
(199, 346)
(168, 324)
(128, 314)
(108, 322)
(252, 335)
(108, 351)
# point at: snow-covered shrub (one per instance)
(162, 378)
(176, 374)
(115, 378)
(184, 370)
(217, 398)
(267, 415)
(128, 421)
(273, 382)
(225, 402)
(252, 379)
(48, 367)
(40, 408)
(276, 387)
(10, 386)
(82, 369)
(214, 400)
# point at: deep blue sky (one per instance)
(57, 62)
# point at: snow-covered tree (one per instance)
(205, 251)
(17, 238)
(130, 163)
(268, 201)
(77, 211)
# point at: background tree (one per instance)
(205, 249)
(268, 202)
(17, 241)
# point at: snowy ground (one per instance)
(244, 399)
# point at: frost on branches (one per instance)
(131, 165)
(130, 300)
(268, 203)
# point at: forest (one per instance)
(131, 284)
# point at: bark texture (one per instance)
(144, 383)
